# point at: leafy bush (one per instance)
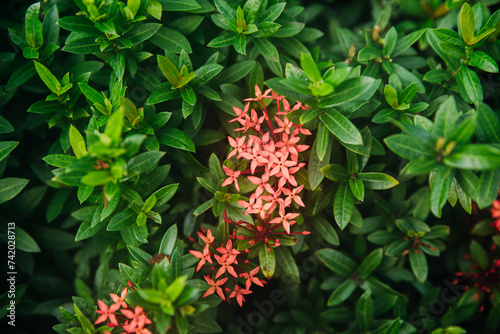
(195, 166)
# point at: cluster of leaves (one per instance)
(114, 120)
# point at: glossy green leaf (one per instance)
(360, 88)
(469, 85)
(33, 26)
(466, 18)
(10, 187)
(337, 262)
(6, 147)
(341, 127)
(168, 241)
(171, 40)
(48, 78)
(325, 230)
(483, 61)
(474, 156)
(342, 292)
(343, 205)
(418, 263)
(176, 138)
(267, 261)
(364, 312)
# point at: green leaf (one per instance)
(378, 181)
(440, 188)
(364, 312)
(479, 255)
(488, 187)
(78, 24)
(390, 41)
(341, 127)
(391, 96)
(207, 72)
(488, 127)
(342, 292)
(310, 68)
(418, 263)
(48, 78)
(144, 162)
(469, 85)
(59, 160)
(325, 230)
(474, 156)
(77, 142)
(176, 138)
(369, 53)
(122, 220)
(236, 71)
(406, 147)
(6, 147)
(408, 40)
(20, 76)
(287, 263)
(165, 194)
(336, 172)
(437, 76)
(240, 43)
(25, 242)
(168, 241)
(169, 70)
(179, 5)
(171, 40)
(370, 263)
(360, 88)
(343, 205)
(466, 18)
(267, 261)
(33, 26)
(337, 261)
(358, 188)
(483, 61)
(289, 29)
(266, 49)
(10, 187)
(407, 78)
(84, 45)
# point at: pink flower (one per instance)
(250, 278)
(280, 164)
(209, 238)
(120, 300)
(215, 287)
(292, 195)
(138, 320)
(107, 313)
(238, 144)
(258, 94)
(233, 177)
(239, 294)
(225, 262)
(285, 219)
(204, 257)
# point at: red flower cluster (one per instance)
(223, 266)
(131, 321)
(273, 156)
(485, 279)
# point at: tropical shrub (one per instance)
(258, 166)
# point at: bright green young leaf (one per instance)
(467, 23)
(378, 181)
(48, 78)
(6, 147)
(77, 142)
(33, 26)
